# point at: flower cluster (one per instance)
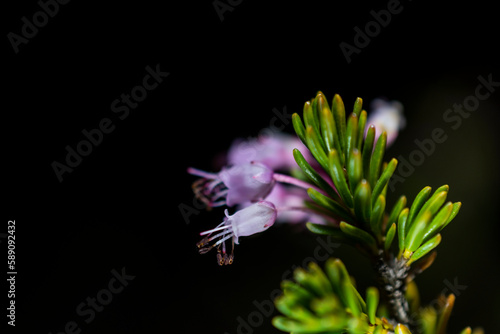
(258, 181)
(250, 182)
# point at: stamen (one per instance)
(220, 194)
(200, 173)
(206, 238)
(220, 259)
(219, 235)
(215, 229)
(211, 186)
(202, 242)
(219, 203)
(209, 191)
(205, 249)
(223, 239)
(230, 258)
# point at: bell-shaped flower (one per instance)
(246, 182)
(388, 117)
(286, 197)
(255, 218)
(274, 151)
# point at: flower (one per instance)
(256, 218)
(274, 151)
(251, 181)
(284, 198)
(388, 117)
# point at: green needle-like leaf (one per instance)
(338, 111)
(445, 314)
(334, 324)
(466, 330)
(417, 204)
(444, 187)
(438, 221)
(311, 119)
(362, 201)
(287, 307)
(372, 299)
(412, 296)
(352, 134)
(354, 169)
(377, 216)
(299, 127)
(327, 306)
(330, 204)
(321, 103)
(327, 128)
(376, 159)
(308, 281)
(315, 146)
(359, 235)
(312, 174)
(336, 272)
(361, 301)
(428, 317)
(380, 330)
(454, 212)
(320, 278)
(402, 220)
(401, 329)
(396, 210)
(284, 324)
(361, 129)
(335, 232)
(425, 248)
(390, 237)
(300, 294)
(366, 154)
(416, 233)
(351, 298)
(337, 174)
(384, 179)
(435, 202)
(358, 105)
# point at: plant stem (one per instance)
(283, 178)
(392, 274)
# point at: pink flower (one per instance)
(388, 117)
(288, 197)
(246, 182)
(256, 218)
(273, 151)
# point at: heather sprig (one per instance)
(337, 186)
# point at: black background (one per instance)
(120, 207)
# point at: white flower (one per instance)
(253, 219)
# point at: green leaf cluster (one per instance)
(328, 302)
(352, 157)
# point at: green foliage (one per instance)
(329, 303)
(360, 177)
